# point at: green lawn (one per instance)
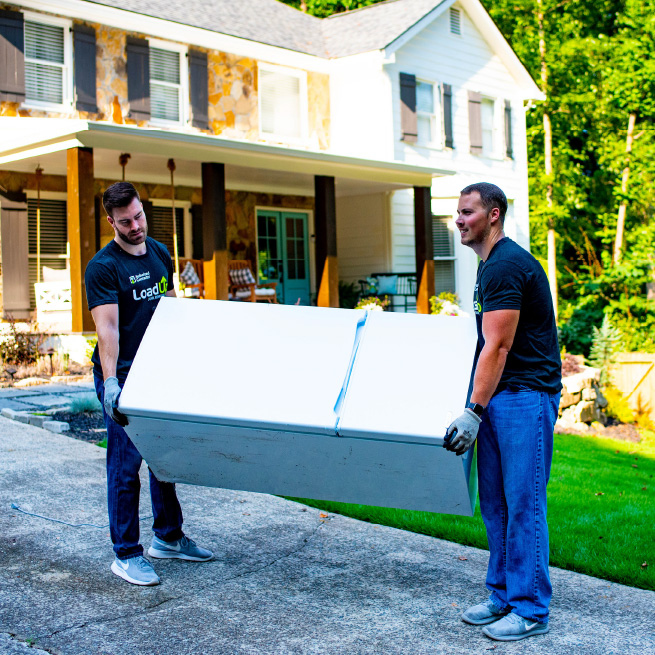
(601, 507)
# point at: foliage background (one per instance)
(600, 61)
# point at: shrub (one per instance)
(85, 402)
(445, 303)
(348, 295)
(373, 304)
(20, 347)
(617, 406)
(605, 343)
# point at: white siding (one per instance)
(467, 63)
(361, 114)
(363, 235)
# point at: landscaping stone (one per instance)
(569, 399)
(12, 392)
(7, 412)
(584, 380)
(48, 401)
(38, 420)
(22, 417)
(13, 404)
(31, 382)
(56, 426)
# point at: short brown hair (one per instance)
(490, 195)
(120, 194)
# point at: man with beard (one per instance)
(124, 283)
(514, 397)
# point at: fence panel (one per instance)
(634, 375)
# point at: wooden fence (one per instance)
(634, 375)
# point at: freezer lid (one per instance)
(410, 377)
(259, 365)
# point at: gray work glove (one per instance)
(462, 432)
(112, 393)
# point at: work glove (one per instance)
(462, 432)
(110, 401)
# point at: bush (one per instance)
(85, 402)
(20, 347)
(576, 326)
(348, 295)
(617, 406)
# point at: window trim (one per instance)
(183, 52)
(304, 105)
(437, 116)
(67, 96)
(497, 134)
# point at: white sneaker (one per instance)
(136, 570)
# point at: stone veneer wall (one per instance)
(233, 104)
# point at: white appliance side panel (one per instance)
(251, 364)
(364, 471)
(410, 377)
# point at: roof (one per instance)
(274, 23)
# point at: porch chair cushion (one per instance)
(242, 276)
(189, 276)
(387, 285)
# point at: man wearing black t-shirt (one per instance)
(124, 283)
(511, 410)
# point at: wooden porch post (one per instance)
(81, 231)
(325, 227)
(424, 251)
(214, 231)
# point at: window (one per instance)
(167, 84)
(429, 126)
(443, 246)
(282, 103)
(47, 63)
(160, 227)
(489, 127)
(455, 21)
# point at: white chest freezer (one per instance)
(321, 403)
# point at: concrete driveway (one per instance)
(286, 578)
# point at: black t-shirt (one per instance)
(512, 278)
(133, 282)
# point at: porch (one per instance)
(285, 210)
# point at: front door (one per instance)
(283, 254)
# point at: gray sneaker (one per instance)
(514, 627)
(183, 548)
(136, 570)
(484, 613)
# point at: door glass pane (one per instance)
(267, 249)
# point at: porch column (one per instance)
(424, 251)
(325, 228)
(15, 299)
(214, 231)
(81, 231)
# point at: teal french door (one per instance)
(283, 254)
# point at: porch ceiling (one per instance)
(249, 166)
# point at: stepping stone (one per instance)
(13, 404)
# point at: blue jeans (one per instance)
(123, 488)
(515, 451)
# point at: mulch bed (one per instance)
(86, 426)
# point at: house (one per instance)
(320, 149)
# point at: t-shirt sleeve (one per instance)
(503, 285)
(101, 285)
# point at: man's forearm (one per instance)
(108, 349)
(488, 372)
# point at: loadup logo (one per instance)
(139, 277)
(152, 293)
(477, 305)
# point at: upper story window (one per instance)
(455, 21)
(282, 103)
(427, 114)
(489, 127)
(168, 87)
(48, 82)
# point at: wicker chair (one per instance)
(198, 267)
(243, 285)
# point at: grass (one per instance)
(85, 402)
(601, 511)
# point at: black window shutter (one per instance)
(84, 52)
(12, 56)
(508, 130)
(475, 122)
(199, 89)
(448, 114)
(138, 78)
(408, 118)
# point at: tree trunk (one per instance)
(548, 162)
(620, 223)
(303, 6)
